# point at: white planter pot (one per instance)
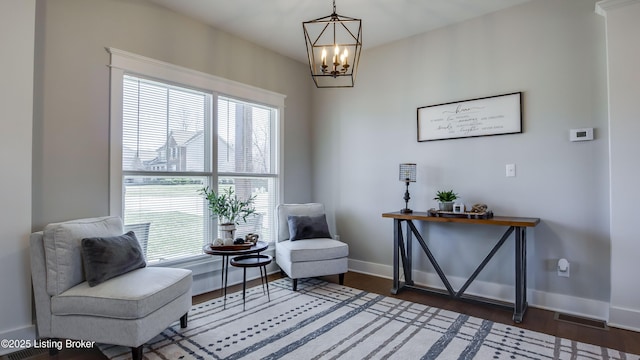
(227, 231)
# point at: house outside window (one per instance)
(176, 138)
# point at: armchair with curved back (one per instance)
(128, 307)
(308, 255)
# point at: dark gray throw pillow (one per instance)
(107, 257)
(308, 227)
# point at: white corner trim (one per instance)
(606, 5)
(540, 299)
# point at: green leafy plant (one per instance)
(226, 206)
(445, 196)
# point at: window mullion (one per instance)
(168, 126)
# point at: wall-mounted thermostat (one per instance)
(581, 134)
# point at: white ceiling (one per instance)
(277, 24)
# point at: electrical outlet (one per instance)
(511, 170)
(564, 273)
(564, 268)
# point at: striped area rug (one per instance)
(328, 321)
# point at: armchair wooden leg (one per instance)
(183, 320)
(136, 353)
(341, 279)
(295, 284)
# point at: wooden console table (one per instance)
(402, 249)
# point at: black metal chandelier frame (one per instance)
(339, 71)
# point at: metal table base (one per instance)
(403, 251)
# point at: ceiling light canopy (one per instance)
(334, 44)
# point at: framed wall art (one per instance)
(493, 115)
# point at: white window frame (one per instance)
(123, 62)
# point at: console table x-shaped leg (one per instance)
(403, 251)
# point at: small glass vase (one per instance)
(446, 206)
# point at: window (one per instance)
(175, 134)
(160, 121)
(245, 161)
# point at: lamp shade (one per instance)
(407, 172)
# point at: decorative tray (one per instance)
(488, 214)
(231, 247)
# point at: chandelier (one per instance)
(333, 44)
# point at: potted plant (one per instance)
(229, 210)
(445, 199)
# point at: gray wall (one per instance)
(71, 110)
(553, 52)
(17, 22)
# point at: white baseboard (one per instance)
(624, 318)
(369, 268)
(26, 333)
(549, 301)
(573, 305)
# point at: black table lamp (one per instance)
(407, 174)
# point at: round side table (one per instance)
(247, 261)
(225, 252)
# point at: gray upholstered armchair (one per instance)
(304, 247)
(76, 300)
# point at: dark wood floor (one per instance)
(535, 319)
